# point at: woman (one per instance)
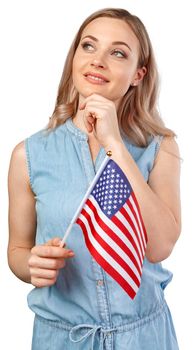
(106, 101)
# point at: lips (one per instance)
(96, 77)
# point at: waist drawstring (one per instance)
(90, 330)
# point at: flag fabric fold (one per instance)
(113, 228)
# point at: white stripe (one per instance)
(108, 257)
(110, 241)
(128, 227)
(141, 228)
(118, 232)
(126, 207)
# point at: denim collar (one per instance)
(75, 130)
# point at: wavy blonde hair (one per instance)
(138, 116)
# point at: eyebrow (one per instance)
(113, 43)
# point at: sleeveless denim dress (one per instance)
(86, 309)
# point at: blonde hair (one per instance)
(138, 116)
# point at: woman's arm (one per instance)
(38, 265)
(22, 216)
(159, 200)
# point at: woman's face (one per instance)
(106, 58)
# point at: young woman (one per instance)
(106, 101)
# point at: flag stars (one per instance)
(112, 190)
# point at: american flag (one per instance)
(113, 228)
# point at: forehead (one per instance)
(111, 29)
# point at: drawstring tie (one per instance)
(90, 330)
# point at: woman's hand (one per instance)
(100, 117)
(45, 262)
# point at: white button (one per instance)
(100, 283)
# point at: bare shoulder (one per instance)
(18, 164)
(166, 169)
(18, 153)
(169, 149)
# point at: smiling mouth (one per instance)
(95, 78)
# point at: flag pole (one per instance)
(94, 181)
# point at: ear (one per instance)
(139, 75)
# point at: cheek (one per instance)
(124, 82)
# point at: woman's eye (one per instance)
(87, 46)
(119, 53)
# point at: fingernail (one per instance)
(82, 105)
(70, 252)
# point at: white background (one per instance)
(35, 37)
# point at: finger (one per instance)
(51, 251)
(54, 242)
(93, 97)
(89, 120)
(42, 282)
(45, 263)
(44, 273)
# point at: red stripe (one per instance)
(105, 265)
(137, 222)
(115, 237)
(108, 248)
(141, 219)
(124, 212)
(126, 232)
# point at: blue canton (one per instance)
(112, 189)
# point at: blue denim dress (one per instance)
(86, 309)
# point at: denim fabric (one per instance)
(86, 309)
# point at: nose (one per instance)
(97, 63)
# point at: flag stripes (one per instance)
(99, 229)
(113, 228)
(107, 246)
(105, 260)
